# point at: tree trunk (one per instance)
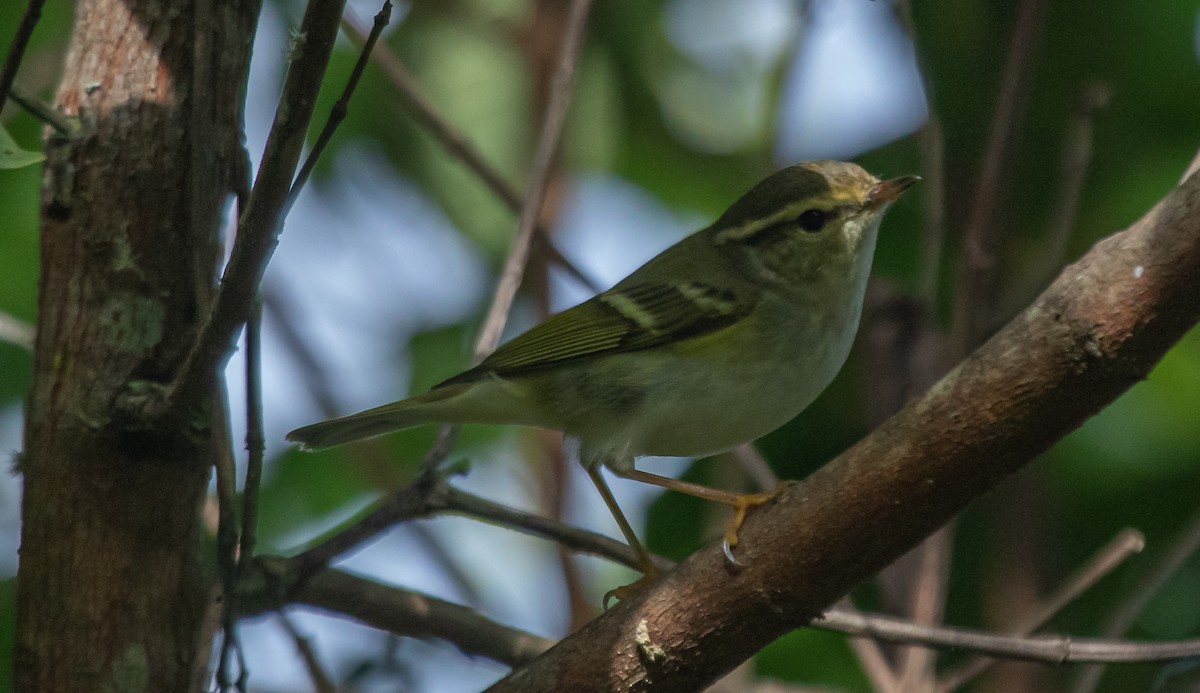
(111, 594)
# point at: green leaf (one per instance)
(12, 156)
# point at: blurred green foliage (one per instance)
(1136, 464)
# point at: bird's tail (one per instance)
(430, 407)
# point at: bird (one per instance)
(718, 340)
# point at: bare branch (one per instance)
(874, 663)
(457, 144)
(227, 531)
(255, 443)
(1126, 543)
(338, 113)
(932, 142)
(308, 654)
(978, 268)
(1095, 332)
(417, 615)
(1185, 545)
(64, 125)
(1073, 168)
(531, 209)
(262, 219)
(431, 495)
(1051, 649)
(16, 51)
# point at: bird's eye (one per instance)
(813, 220)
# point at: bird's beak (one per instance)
(888, 191)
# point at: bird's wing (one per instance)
(624, 319)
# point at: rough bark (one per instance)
(111, 592)
(1094, 333)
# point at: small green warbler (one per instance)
(720, 339)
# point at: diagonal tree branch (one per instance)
(1093, 334)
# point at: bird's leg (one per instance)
(740, 502)
(645, 564)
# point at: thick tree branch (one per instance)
(1094, 333)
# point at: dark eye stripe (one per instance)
(813, 220)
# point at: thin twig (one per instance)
(458, 146)
(874, 663)
(555, 116)
(928, 603)
(518, 251)
(1073, 168)
(227, 533)
(16, 51)
(261, 221)
(1051, 649)
(1126, 543)
(341, 107)
(973, 306)
(431, 495)
(312, 664)
(255, 442)
(583, 541)
(456, 575)
(410, 502)
(931, 141)
(413, 614)
(64, 125)
(1185, 545)
(755, 466)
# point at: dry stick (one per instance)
(1073, 168)
(312, 664)
(553, 119)
(431, 495)
(316, 377)
(462, 503)
(870, 655)
(1185, 544)
(458, 146)
(1093, 334)
(973, 308)
(227, 539)
(518, 251)
(1126, 543)
(1050, 649)
(755, 466)
(978, 267)
(317, 381)
(341, 107)
(927, 606)
(910, 325)
(255, 442)
(931, 140)
(838, 619)
(261, 221)
(65, 126)
(16, 52)
(413, 614)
